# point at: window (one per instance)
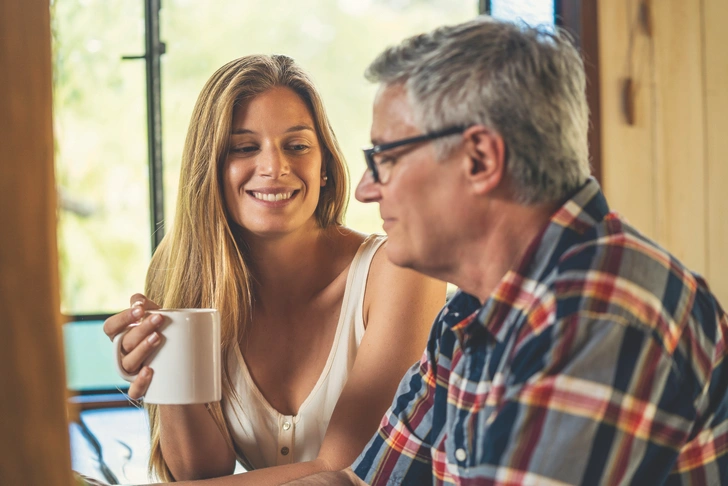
(533, 12)
(101, 159)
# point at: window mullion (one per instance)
(154, 50)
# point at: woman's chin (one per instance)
(276, 230)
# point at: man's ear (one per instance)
(485, 153)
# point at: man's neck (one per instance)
(500, 245)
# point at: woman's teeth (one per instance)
(272, 197)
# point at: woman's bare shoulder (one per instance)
(345, 242)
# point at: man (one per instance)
(577, 351)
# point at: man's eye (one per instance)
(385, 160)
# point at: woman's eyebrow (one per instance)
(295, 128)
(241, 131)
(298, 128)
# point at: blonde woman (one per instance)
(318, 326)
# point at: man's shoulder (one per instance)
(616, 270)
(614, 249)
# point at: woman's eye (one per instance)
(298, 147)
(245, 149)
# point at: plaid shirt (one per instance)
(598, 360)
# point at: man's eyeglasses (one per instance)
(381, 167)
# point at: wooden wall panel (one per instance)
(628, 162)
(715, 41)
(681, 130)
(666, 173)
(34, 443)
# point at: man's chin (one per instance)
(399, 256)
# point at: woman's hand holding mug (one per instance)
(182, 345)
(138, 344)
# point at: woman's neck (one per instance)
(293, 265)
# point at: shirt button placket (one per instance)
(285, 439)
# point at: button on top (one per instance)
(286, 425)
(461, 455)
(285, 451)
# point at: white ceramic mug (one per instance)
(187, 363)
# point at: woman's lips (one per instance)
(279, 196)
(273, 198)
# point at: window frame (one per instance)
(580, 19)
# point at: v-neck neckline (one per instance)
(332, 351)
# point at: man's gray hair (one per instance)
(526, 83)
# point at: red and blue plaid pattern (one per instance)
(598, 360)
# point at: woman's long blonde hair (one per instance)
(201, 262)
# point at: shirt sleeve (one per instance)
(592, 400)
(399, 453)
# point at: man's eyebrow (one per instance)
(295, 128)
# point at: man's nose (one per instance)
(273, 163)
(367, 190)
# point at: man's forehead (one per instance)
(392, 112)
(391, 94)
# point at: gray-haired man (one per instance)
(577, 351)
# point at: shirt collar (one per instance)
(521, 285)
(459, 312)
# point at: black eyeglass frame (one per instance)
(370, 152)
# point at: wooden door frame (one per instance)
(579, 17)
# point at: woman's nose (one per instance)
(273, 163)
(367, 190)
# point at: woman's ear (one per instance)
(324, 178)
(485, 158)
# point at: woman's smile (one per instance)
(273, 197)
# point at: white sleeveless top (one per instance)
(262, 436)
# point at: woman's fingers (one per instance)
(139, 387)
(141, 299)
(136, 356)
(119, 322)
(139, 333)
(141, 340)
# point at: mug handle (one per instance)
(117, 357)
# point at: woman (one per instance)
(318, 326)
